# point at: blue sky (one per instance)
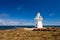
(22, 12)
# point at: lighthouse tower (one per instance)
(38, 19)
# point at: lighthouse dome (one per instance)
(38, 17)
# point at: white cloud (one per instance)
(51, 14)
(51, 23)
(9, 22)
(18, 8)
(12, 22)
(3, 14)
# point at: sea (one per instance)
(14, 27)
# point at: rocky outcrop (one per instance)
(44, 29)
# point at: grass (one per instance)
(21, 34)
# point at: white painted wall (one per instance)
(38, 19)
(39, 24)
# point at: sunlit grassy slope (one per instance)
(21, 34)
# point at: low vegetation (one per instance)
(21, 34)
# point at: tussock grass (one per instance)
(21, 34)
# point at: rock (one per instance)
(44, 29)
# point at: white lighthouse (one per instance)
(38, 19)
